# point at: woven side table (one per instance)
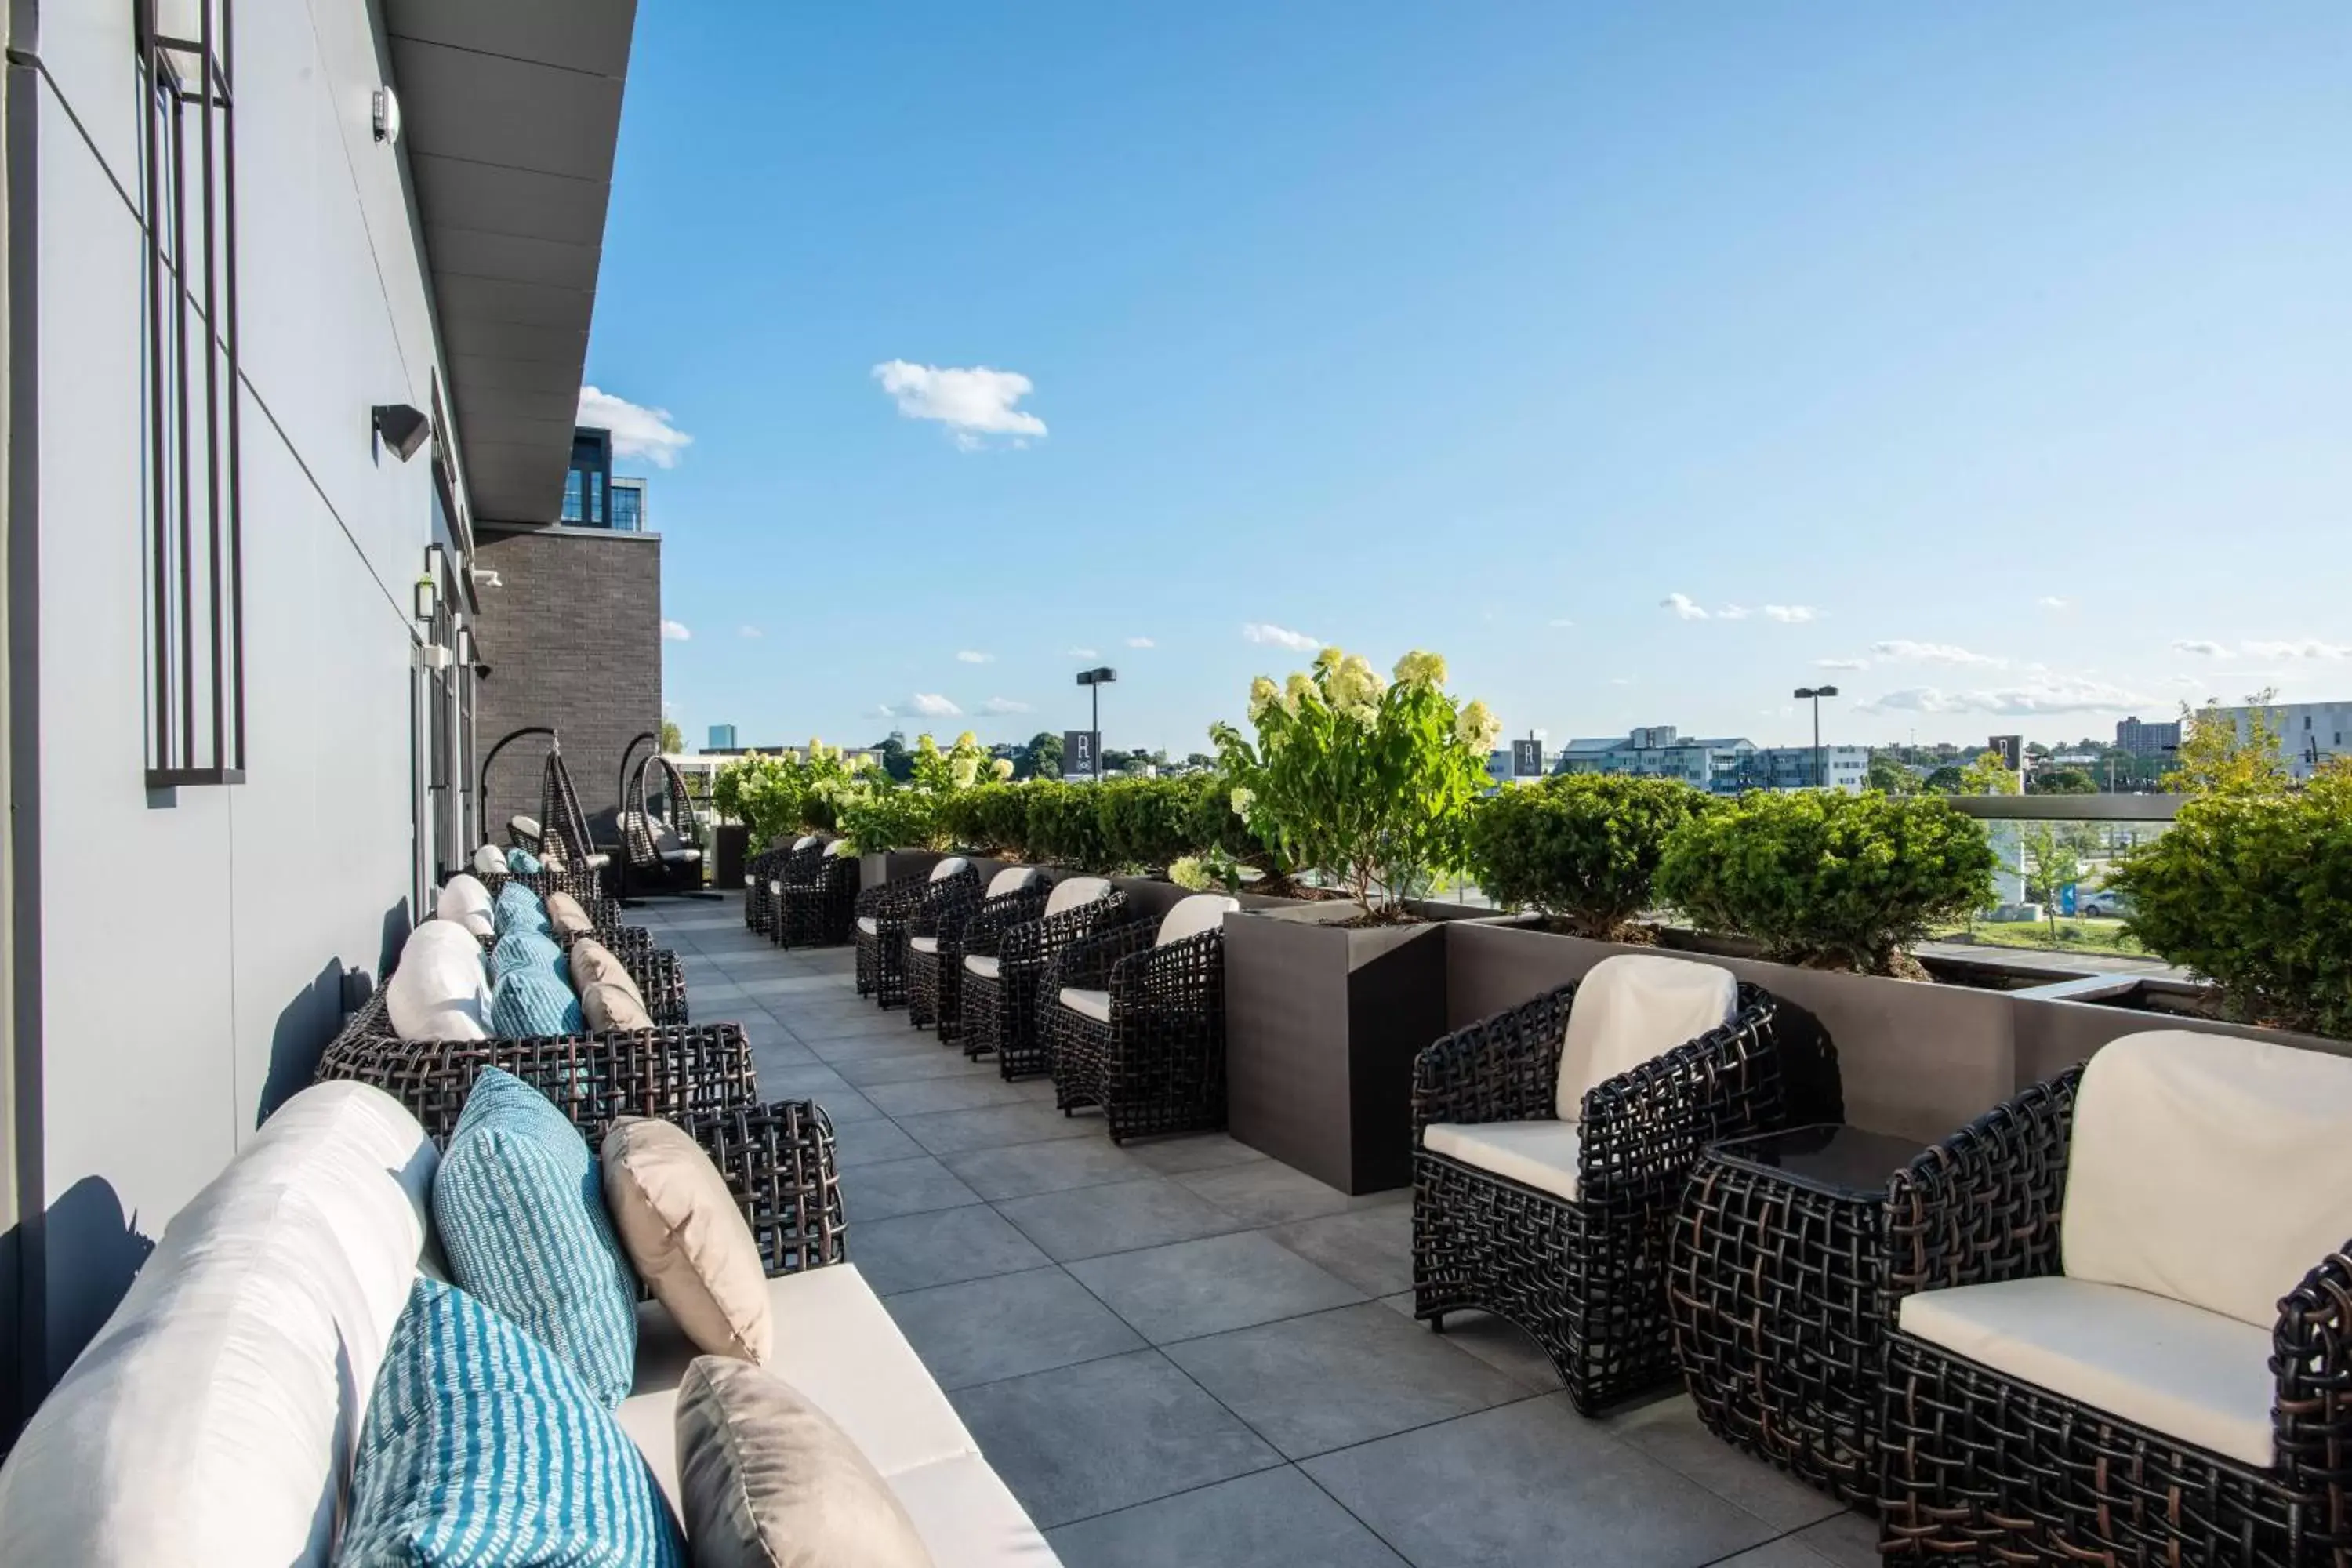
(1772, 1284)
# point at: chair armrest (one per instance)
(1503, 1068)
(1644, 1129)
(984, 931)
(1031, 945)
(661, 981)
(779, 1164)
(2311, 1421)
(1089, 962)
(1983, 1204)
(1182, 977)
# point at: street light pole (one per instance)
(1094, 680)
(1816, 693)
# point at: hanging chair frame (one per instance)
(642, 871)
(565, 842)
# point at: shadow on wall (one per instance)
(308, 1022)
(92, 1253)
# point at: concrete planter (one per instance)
(729, 849)
(873, 870)
(1322, 1024)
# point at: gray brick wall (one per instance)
(572, 639)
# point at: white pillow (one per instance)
(464, 901)
(526, 827)
(212, 1421)
(1632, 1008)
(1011, 879)
(2208, 1169)
(1069, 893)
(489, 860)
(838, 849)
(1195, 914)
(439, 989)
(803, 841)
(949, 867)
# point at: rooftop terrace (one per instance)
(1182, 1352)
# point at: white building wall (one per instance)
(2310, 733)
(191, 944)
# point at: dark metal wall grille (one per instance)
(194, 604)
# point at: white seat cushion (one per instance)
(1633, 1008)
(949, 867)
(680, 857)
(839, 847)
(2210, 1169)
(1072, 891)
(489, 860)
(439, 989)
(1193, 915)
(213, 1419)
(1539, 1155)
(924, 943)
(803, 841)
(464, 901)
(1095, 1005)
(835, 1344)
(868, 924)
(2180, 1370)
(525, 826)
(1011, 879)
(776, 889)
(968, 1518)
(983, 964)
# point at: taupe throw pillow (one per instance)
(680, 1228)
(769, 1481)
(607, 1004)
(592, 962)
(565, 915)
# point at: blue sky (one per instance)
(1993, 362)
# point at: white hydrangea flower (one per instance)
(1476, 727)
(963, 771)
(1187, 872)
(1003, 769)
(1263, 694)
(1243, 799)
(1418, 668)
(1296, 691)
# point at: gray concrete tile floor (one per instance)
(1183, 1351)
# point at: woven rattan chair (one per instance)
(1004, 967)
(884, 913)
(1135, 1020)
(815, 899)
(658, 828)
(559, 835)
(935, 942)
(767, 868)
(1561, 1225)
(777, 1159)
(2120, 1318)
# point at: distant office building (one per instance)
(722, 738)
(2146, 740)
(1845, 768)
(2309, 733)
(593, 496)
(1663, 751)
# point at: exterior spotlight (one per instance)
(402, 428)
(387, 116)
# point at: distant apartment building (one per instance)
(2309, 733)
(1845, 768)
(1727, 764)
(722, 738)
(2146, 740)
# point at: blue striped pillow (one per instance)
(520, 948)
(481, 1448)
(522, 862)
(517, 908)
(529, 1001)
(520, 1215)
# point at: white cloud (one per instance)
(1563, 621)
(974, 403)
(1732, 613)
(2036, 695)
(1792, 614)
(749, 632)
(882, 710)
(1281, 636)
(931, 705)
(2052, 602)
(1933, 653)
(2300, 647)
(638, 431)
(1689, 609)
(1842, 664)
(973, 655)
(1081, 653)
(1682, 605)
(2203, 646)
(676, 631)
(1003, 705)
(1141, 642)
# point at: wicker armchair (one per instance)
(815, 899)
(884, 914)
(1003, 966)
(935, 937)
(777, 1159)
(2000, 1451)
(763, 871)
(1562, 1226)
(1135, 1021)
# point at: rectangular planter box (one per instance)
(1322, 1024)
(731, 842)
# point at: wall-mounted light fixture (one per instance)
(428, 595)
(387, 116)
(402, 428)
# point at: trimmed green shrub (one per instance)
(1064, 826)
(1832, 881)
(897, 818)
(1581, 848)
(2252, 888)
(1148, 824)
(989, 819)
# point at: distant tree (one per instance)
(1989, 775)
(2051, 868)
(1945, 780)
(897, 762)
(1045, 755)
(1888, 776)
(2063, 781)
(1199, 760)
(2214, 759)
(673, 739)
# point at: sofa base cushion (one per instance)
(1095, 1005)
(968, 1518)
(984, 964)
(1538, 1154)
(870, 925)
(924, 943)
(834, 1342)
(2194, 1375)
